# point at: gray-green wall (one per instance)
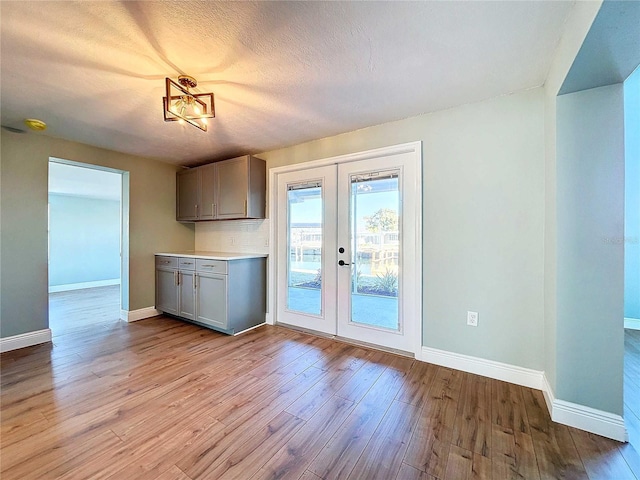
(483, 204)
(590, 247)
(23, 223)
(575, 31)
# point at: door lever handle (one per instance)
(342, 263)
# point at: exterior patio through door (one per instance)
(346, 250)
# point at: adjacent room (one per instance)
(85, 206)
(319, 240)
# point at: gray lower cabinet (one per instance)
(167, 290)
(226, 295)
(187, 283)
(211, 298)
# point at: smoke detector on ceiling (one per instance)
(35, 124)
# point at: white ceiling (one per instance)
(282, 72)
(84, 182)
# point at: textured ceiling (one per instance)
(282, 72)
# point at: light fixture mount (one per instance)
(182, 105)
(187, 81)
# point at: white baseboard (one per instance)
(268, 319)
(632, 323)
(567, 413)
(140, 314)
(487, 368)
(585, 418)
(25, 340)
(82, 285)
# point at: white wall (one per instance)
(483, 168)
(251, 236)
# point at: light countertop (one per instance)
(213, 255)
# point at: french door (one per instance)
(346, 242)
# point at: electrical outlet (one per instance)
(472, 319)
(266, 242)
(232, 240)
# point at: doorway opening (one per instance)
(87, 244)
(632, 256)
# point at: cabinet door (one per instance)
(207, 192)
(166, 291)
(211, 299)
(232, 188)
(187, 195)
(187, 295)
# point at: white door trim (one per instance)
(414, 148)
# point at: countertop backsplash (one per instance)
(242, 236)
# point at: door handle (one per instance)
(342, 263)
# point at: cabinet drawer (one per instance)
(214, 266)
(187, 263)
(171, 262)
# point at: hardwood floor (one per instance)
(631, 451)
(77, 309)
(162, 399)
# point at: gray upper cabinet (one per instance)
(207, 192)
(226, 190)
(187, 195)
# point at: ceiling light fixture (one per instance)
(182, 105)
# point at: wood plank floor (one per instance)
(162, 399)
(631, 451)
(77, 309)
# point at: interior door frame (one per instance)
(414, 289)
(124, 226)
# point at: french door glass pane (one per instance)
(304, 284)
(375, 249)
